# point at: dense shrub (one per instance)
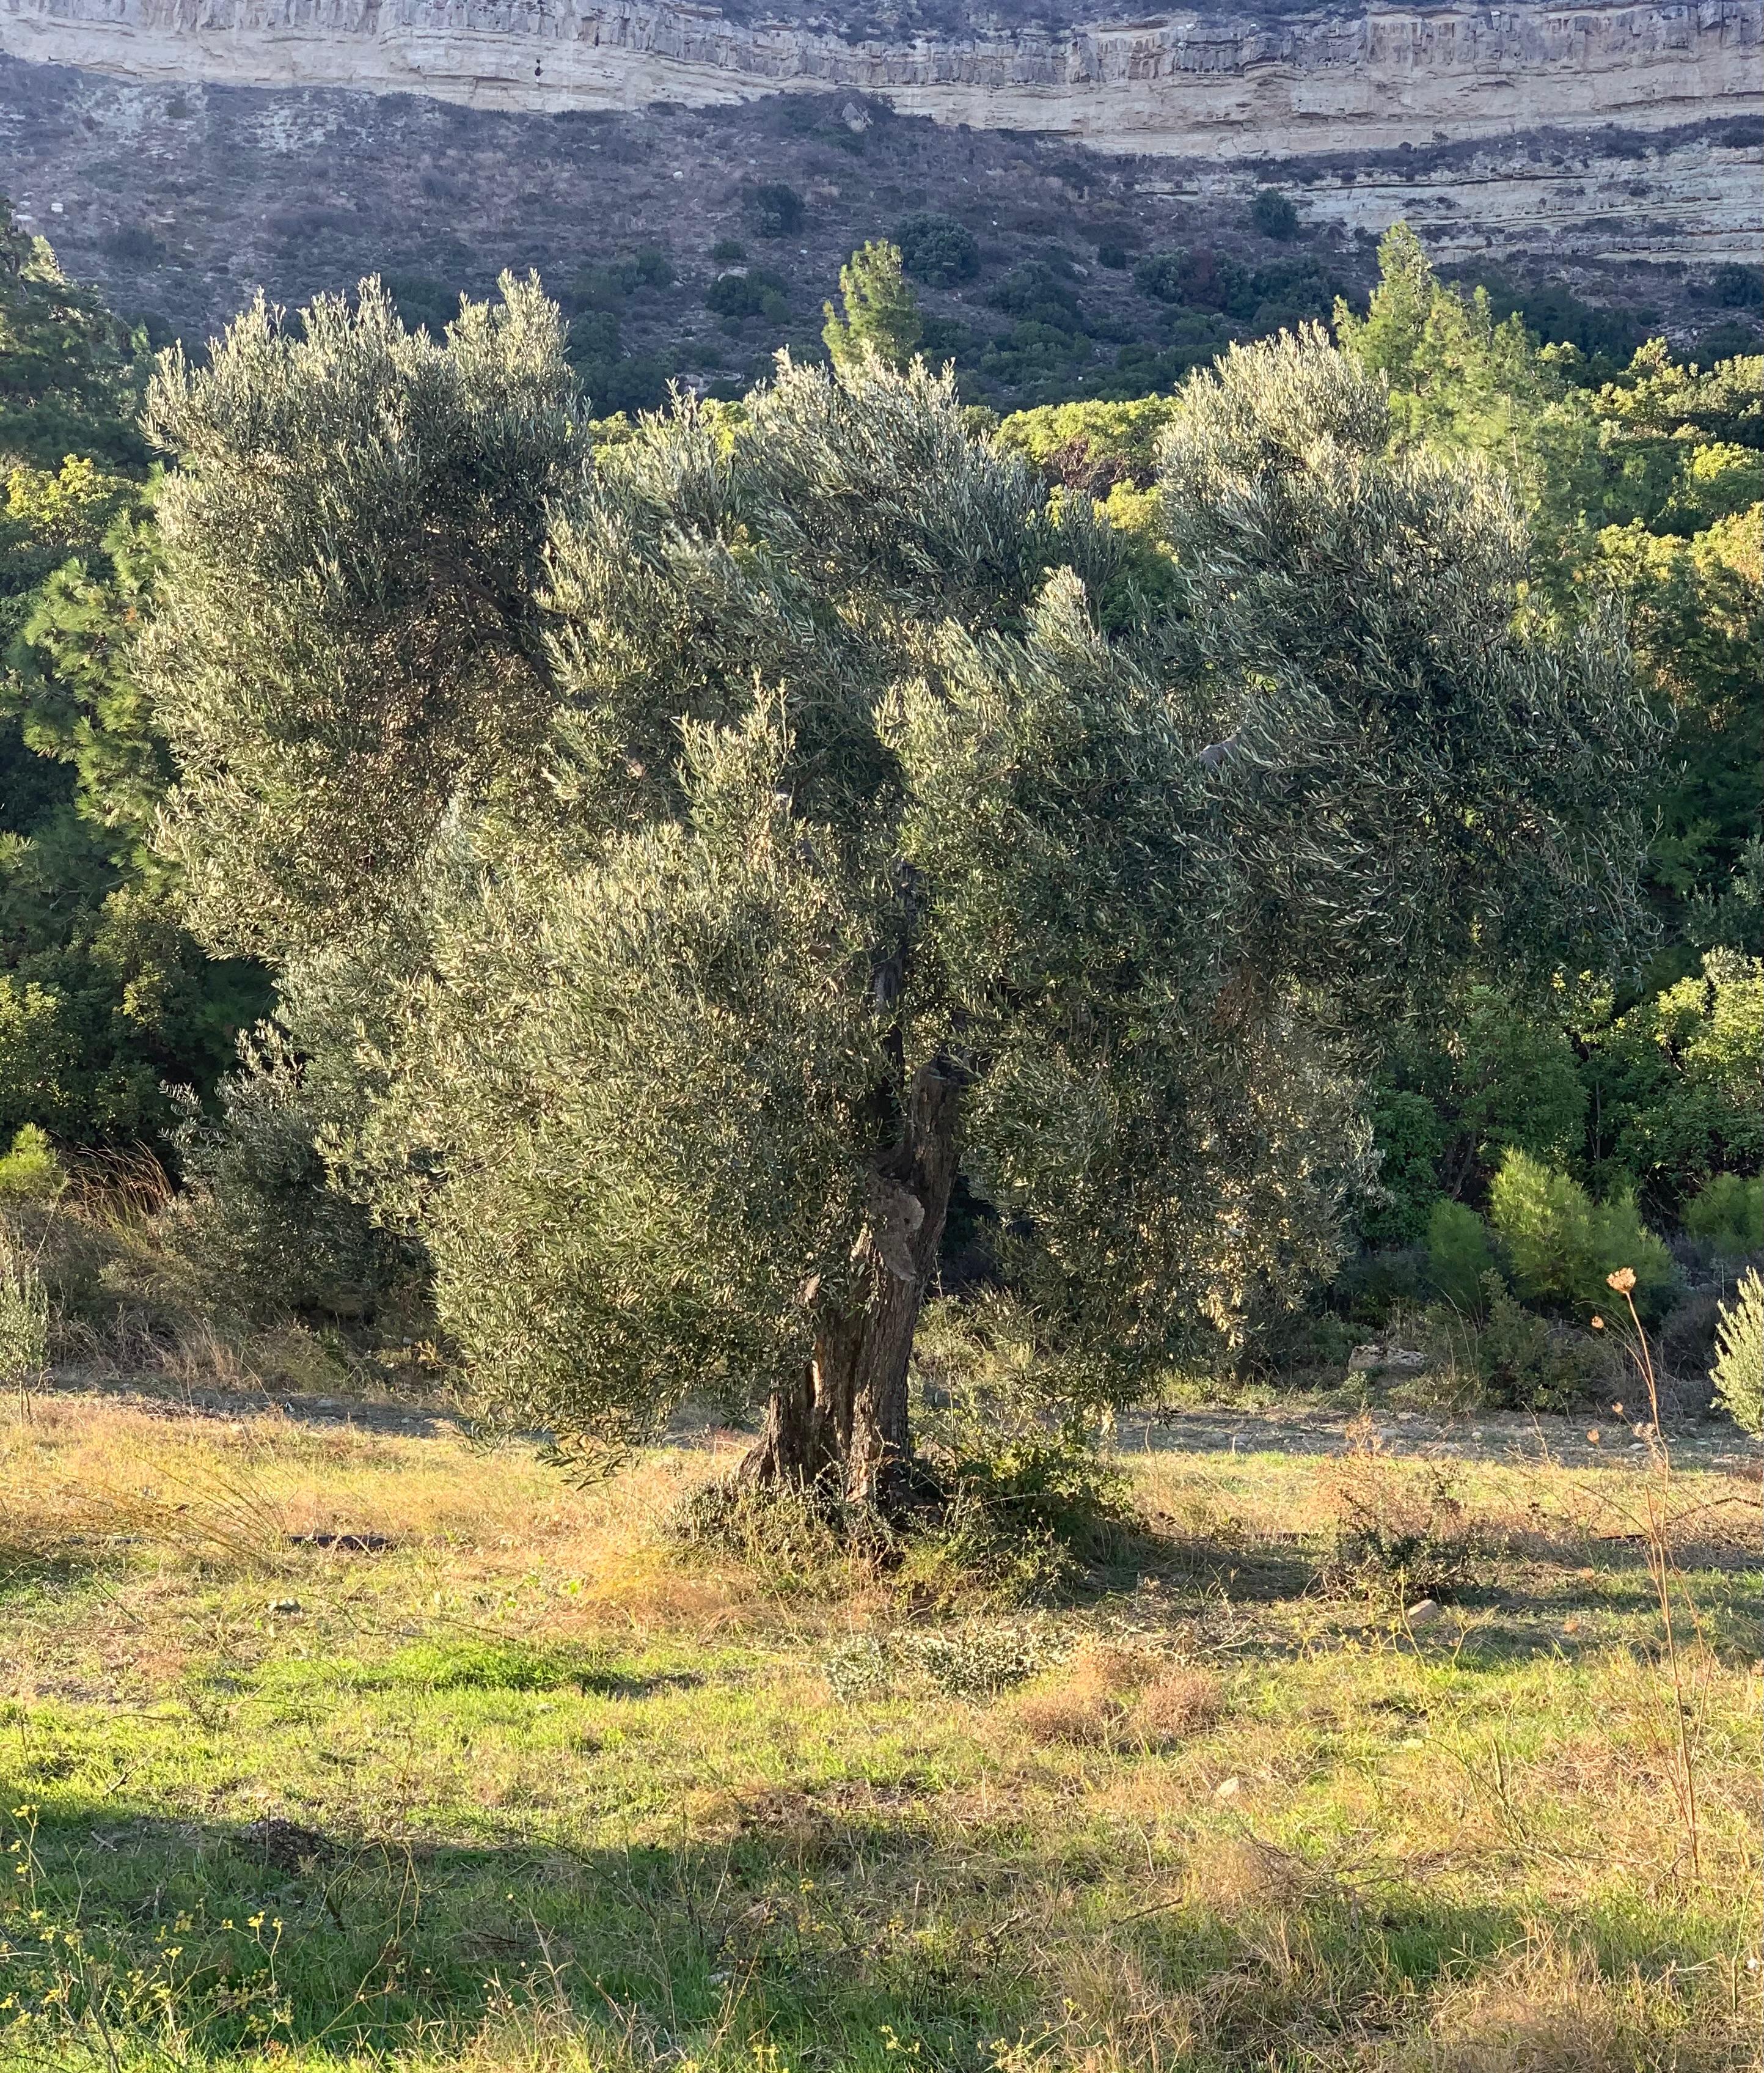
(1739, 1359)
(1509, 1358)
(257, 1218)
(1460, 1257)
(608, 286)
(1562, 1244)
(1038, 293)
(1729, 1212)
(1161, 275)
(756, 293)
(1736, 287)
(1273, 214)
(774, 209)
(1677, 1082)
(1028, 1511)
(1410, 1136)
(1207, 279)
(938, 251)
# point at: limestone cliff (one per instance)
(1225, 86)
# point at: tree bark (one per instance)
(841, 1424)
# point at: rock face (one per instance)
(183, 153)
(1228, 86)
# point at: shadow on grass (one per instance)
(77, 1561)
(818, 1923)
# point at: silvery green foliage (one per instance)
(798, 766)
(348, 642)
(1415, 780)
(626, 1103)
(1738, 1370)
(976, 1660)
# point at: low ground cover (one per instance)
(327, 1747)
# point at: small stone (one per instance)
(1229, 1789)
(284, 1605)
(1423, 1612)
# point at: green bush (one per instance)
(1738, 1371)
(757, 293)
(1273, 215)
(1728, 1211)
(774, 208)
(30, 1167)
(1460, 1256)
(1205, 279)
(938, 251)
(257, 1218)
(1561, 1244)
(1513, 1359)
(978, 1659)
(1406, 1129)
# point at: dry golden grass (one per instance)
(1115, 1694)
(1547, 2008)
(1092, 1700)
(1177, 1704)
(1427, 1837)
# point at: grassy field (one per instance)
(508, 1778)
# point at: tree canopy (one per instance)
(103, 995)
(709, 852)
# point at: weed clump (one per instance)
(975, 1661)
(1025, 1520)
(1006, 1510)
(796, 1542)
(1505, 1356)
(1399, 1535)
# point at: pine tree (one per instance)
(881, 312)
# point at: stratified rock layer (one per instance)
(1255, 85)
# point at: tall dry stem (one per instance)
(1656, 1540)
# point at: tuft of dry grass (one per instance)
(1547, 2008)
(1111, 1694)
(1180, 1702)
(1239, 1874)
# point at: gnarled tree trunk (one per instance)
(842, 1423)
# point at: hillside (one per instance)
(180, 200)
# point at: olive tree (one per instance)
(712, 852)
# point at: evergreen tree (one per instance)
(881, 313)
(103, 995)
(68, 377)
(706, 858)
